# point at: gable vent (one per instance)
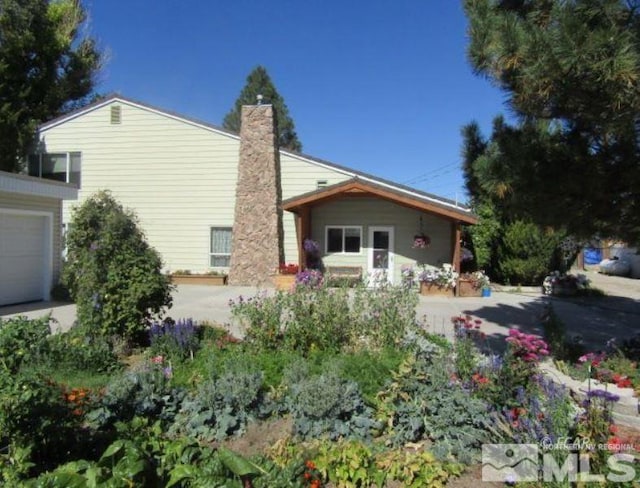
(116, 114)
(321, 183)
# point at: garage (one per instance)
(30, 236)
(24, 257)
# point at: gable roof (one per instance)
(364, 177)
(356, 187)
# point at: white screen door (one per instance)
(380, 259)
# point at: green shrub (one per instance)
(34, 416)
(144, 390)
(223, 405)
(318, 319)
(422, 402)
(81, 349)
(327, 319)
(112, 274)
(526, 253)
(327, 405)
(22, 340)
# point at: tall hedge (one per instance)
(112, 273)
(526, 253)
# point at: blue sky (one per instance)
(381, 86)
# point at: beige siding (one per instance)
(298, 177)
(367, 212)
(179, 178)
(40, 204)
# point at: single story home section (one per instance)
(30, 236)
(181, 177)
(374, 227)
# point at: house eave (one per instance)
(38, 187)
(356, 187)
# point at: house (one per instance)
(30, 236)
(180, 176)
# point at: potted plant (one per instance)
(438, 281)
(285, 278)
(211, 278)
(472, 284)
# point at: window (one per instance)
(220, 247)
(343, 239)
(65, 167)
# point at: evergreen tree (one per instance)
(259, 83)
(571, 71)
(47, 68)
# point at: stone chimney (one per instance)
(256, 244)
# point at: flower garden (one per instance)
(329, 387)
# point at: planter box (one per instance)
(210, 280)
(430, 289)
(563, 290)
(284, 282)
(466, 288)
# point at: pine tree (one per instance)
(259, 83)
(571, 72)
(47, 67)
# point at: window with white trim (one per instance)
(343, 239)
(65, 167)
(220, 247)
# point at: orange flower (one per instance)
(77, 411)
(307, 475)
(310, 465)
(315, 484)
(71, 397)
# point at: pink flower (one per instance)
(157, 360)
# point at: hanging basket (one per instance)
(421, 241)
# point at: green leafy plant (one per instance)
(327, 319)
(35, 420)
(143, 390)
(113, 275)
(22, 340)
(327, 405)
(423, 402)
(526, 253)
(81, 349)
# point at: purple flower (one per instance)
(311, 247)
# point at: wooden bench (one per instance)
(343, 275)
(344, 271)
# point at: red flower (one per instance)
(614, 444)
(310, 465)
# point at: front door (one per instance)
(380, 259)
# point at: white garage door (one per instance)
(23, 257)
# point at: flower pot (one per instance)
(432, 289)
(468, 288)
(195, 279)
(284, 282)
(564, 289)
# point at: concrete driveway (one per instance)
(596, 320)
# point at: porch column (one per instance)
(303, 231)
(456, 234)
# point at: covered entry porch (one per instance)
(359, 223)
